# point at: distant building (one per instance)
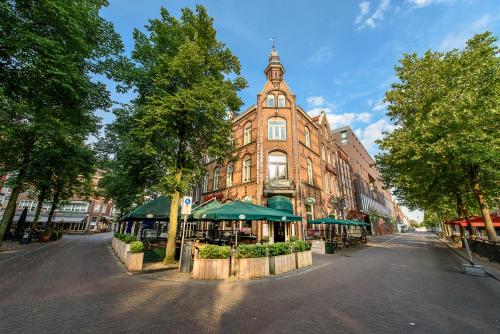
(372, 198)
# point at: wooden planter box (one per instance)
(252, 267)
(211, 268)
(281, 264)
(121, 248)
(133, 261)
(303, 259)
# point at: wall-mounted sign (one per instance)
(310, 201)
(248, 199)
(187, 203)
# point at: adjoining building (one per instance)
(285, 159)
(372, 198)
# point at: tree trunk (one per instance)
(53, 207)
(476, 188)
(465, 214)
(41, 198)
(173, 220)
(10, 210)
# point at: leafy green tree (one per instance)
(445, 106)
(50, 50)
(186, 81)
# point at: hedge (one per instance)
(214, 252)
(279, 248)
(251, 251)
(136, 247)
(300, 246)
(127, 238)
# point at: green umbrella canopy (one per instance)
(159, 209)
(201, 209)
(239, 210)
(359, 223)
(329, 220)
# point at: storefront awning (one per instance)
(476, 221)
(157, 209)
(333, 221)
(243, 211)
(280, 202)
(201, 209)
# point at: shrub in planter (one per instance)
(136, 247)
(214, 252)
(118, 235)
(129, 238)
(251, 251)
(279, 248)
(300, 246)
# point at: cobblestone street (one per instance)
(406, 283)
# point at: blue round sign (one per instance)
(187, 201)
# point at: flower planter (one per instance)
(134, 261)
(252, 267)
(281, 263)
(303, 259)
(121, 248)
(44, 237)
(211, 269)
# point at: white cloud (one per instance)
(316, 101)
(425, 3)
(363, 117)
(415, 215)
(364, 20)
(364, 8)
(457, 38)
(379, 106)
(321, 55)
(339, 120)
(372, 132)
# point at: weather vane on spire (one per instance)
(273, 39)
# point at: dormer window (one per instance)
(270, 101)
(281, 101)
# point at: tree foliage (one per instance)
(446, 110)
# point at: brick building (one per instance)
(372, 198)
(284, 155)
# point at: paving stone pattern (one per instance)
(77, 286)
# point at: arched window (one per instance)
(281, 101)
(307, 135)
(205, 184)
(327, 188)
(277, 165)
(216, 178)
(270, 100)
(323, 152)
(309, 172)
(333, 186)
(229, 174)
(247, 162)
(247, 133)
(276, 128)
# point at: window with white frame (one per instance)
(327, 188)
(247, 133)
(276, 128)
(344, 137)
(281, 101)
(323, 152)
(216, 178)
(246, 169)
(270, 101)
(97, 207)
(229, 174)
(277, 165)
(309, 172)
(205, 184)
(307, 136)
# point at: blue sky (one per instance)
(339, 56)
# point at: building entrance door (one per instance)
(279, 231)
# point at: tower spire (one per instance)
(274, 70)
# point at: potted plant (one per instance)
(252, 261)
(303, 256)
(45, 235)
(281, 258)
(212, 262)
(135, 257)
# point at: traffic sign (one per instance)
(187, 203)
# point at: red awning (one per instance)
(476, 221)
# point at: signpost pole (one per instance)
(187, 202)
(182, 240)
